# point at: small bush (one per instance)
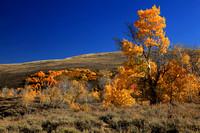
(67, 130)
(87, 122)
(50, 125)
(107, 118)
(12, 128)
(7, 93)
(3, 129)
(36, 129)
(28, 96)
(25, 128)
(116, 96)
(121, 124)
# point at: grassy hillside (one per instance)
(87, 114)
(13, 75)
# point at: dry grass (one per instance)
(13, 75)
(138, 118)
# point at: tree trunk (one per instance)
(153, 95)
(152, 87)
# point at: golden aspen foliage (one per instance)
(2, 95)
(131, 49)
(74, 107)
(149, 36)
(28, 95)
(176, 85)
(132, 77)
(76, 96)
(41, 80)
(52, 90)
(191, 88)
(95, 95)
(186, 59)
(170, 83)
(116, 95)
(150, 29)
(159, 79)
(7, 93)
(76, 92)
(45, 97)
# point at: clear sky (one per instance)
(33, 30)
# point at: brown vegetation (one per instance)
(138, 118)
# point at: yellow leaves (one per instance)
(150, 29)
(10, 93)
(7, 93)
(45, 97)
(74, 107)
(186, 60)
(170, 82)
(150, 42)
(95, 95)
(153, 69)
(41, 80)
(41, 74)
(191, 88)
(48, 88)
(19, 89)
(28, 96)
(131, 49)
(77, 107)
(118, 97)
(177, 85)
(2, 95)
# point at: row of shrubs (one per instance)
(65, 88)
(75, 89)
(67, 93)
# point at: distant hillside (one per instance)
(13, 75)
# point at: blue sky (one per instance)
(33, 30)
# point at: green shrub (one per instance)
(36, 128)
(49, 126)
(87, 122)
(12, 128)
(25, 128)
(107, 118)
(67, 130)
(121, 124)
(3, 129)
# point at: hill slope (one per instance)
(13, 75)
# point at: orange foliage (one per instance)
(40, 80)
(2, 95)
(156, 81)
(7, 93)
(131, 49)
(28, 95)
(121, 90)
(115, 96)
(150, 29)
(178, 85)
